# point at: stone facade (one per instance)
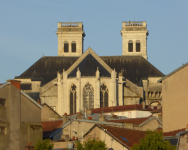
(74, 81)
(134, 38)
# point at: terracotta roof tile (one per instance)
(173, 133)
(132, 120)
(120, 108)
(51, 125)
(133, 136)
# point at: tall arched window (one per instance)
(137, 46)
(88, 97)
(130, 46)
(104, 96)
(73, 99)
(66, 46)
(73, 46)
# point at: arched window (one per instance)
(73, 99)
(103, 96)
(73, 46)
(137, 46)
(66, 46)
(88, 96)
(130, 46)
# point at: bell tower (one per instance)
(134, 38)
(70, 38)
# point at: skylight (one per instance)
(124, 138)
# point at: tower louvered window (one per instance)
(88, 97)
(66, 47)
(130, 46)
(104, 96)
(137, 46)
(73, 99)
(73, 46)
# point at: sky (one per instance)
(27, 30)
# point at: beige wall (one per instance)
(175, 100)
(29, 111)
(78, 127)
(48, 113)
(98, 133)
(18, 110)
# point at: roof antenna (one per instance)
(134, 16)
(70, 16)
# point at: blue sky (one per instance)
(27, 30)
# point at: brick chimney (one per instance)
(143, 105)
(158, 106)
(16, 83)
(65, 118)
(79, 115)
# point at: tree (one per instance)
(153, 141)
(92, 144)
(43, 145)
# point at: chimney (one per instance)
(143, 105)
(38, 101)
(79, 115)
(186, 129)
(16, 83)
(65, 118)
(158, 106)
(102, 118)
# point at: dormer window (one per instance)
(130, 46)
(66, 46)
(2, 102)
(73, 46)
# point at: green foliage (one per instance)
(43, 145)
(92, 144)
(153, 141)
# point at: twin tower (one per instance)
(71, 36)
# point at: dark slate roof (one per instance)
(88, 67)
(133, 68)
(26, 86)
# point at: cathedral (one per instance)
(75, 81)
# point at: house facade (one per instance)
(20, 118)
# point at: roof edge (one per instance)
(160, 80)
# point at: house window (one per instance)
(130, 46)
(137, 46)
(73, 46)
(73, 99)
(104, 96)
(66, 47)
(2, 130)
(88, 96)
(2, 102)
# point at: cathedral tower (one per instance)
(134, 39)
(70, 38)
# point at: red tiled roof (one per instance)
(173, 133)
(156, 110)
(133, 136)
(120, 108)
(51, 125)
(132, 120)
